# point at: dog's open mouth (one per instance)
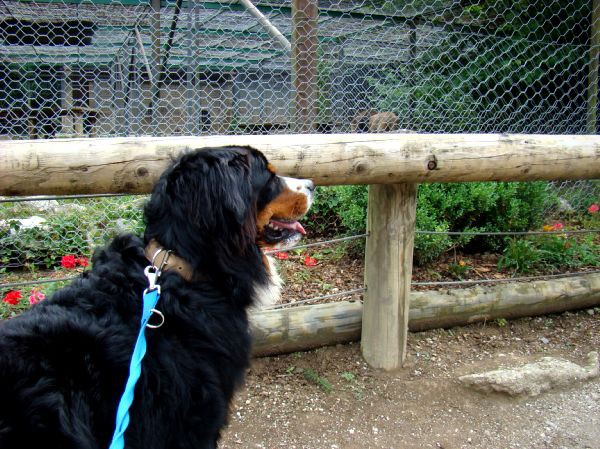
(283, 233)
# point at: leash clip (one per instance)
(152, 274)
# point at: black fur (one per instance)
(64, 363)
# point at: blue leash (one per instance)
(150, 298)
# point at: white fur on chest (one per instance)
(268, 295)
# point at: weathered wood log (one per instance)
(388, 270)
(131, 165)
(307, 327)
(449, 308)
(300, 328)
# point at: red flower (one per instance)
(593, 208)
(310, 261)
(557, 226)
(12, 298)
(68, 261)
(282, 256)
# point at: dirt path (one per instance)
(329, 398)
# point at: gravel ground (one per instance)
(330, 398)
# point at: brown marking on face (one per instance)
(289, 205)
(271, 168)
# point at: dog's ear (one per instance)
(214, 192)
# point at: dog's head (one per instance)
(217, 207)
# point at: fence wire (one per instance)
(173, 67)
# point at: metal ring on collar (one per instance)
(164, 260)
(162, 319)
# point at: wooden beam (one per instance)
(391, 220)
(140, 43)
(305, 15)
(157, 65)
(306, 327)
(132, 165)
(275, 34)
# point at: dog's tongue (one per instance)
(292, 226)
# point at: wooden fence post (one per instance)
(305, 16)
(388, 269)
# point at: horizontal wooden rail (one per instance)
(305, 327)
(131, 165)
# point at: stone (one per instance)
(534, 378)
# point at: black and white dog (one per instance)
(64, 363)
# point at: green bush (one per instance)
(486, 207)
(482, 207)
(338, 210)
(429, 247)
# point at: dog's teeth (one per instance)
(272, 226)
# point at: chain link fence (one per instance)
(105, 68)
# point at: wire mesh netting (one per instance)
(102, 68)
(132, 67)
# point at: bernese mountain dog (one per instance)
(64, 363)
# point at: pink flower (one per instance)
(593, 208)
(68, 261)
(310, 261)
(36, 296)
(282, 256)
(557, 226)
(12, 298)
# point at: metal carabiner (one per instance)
(152, 273)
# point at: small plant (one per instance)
(325, 287)
(501, 322)
(322, 382)
(301, 276)
(459, 269)
(550, 252)
(519, 256)
(348, 376)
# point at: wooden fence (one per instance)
(392, 164)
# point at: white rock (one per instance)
(533, 378)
